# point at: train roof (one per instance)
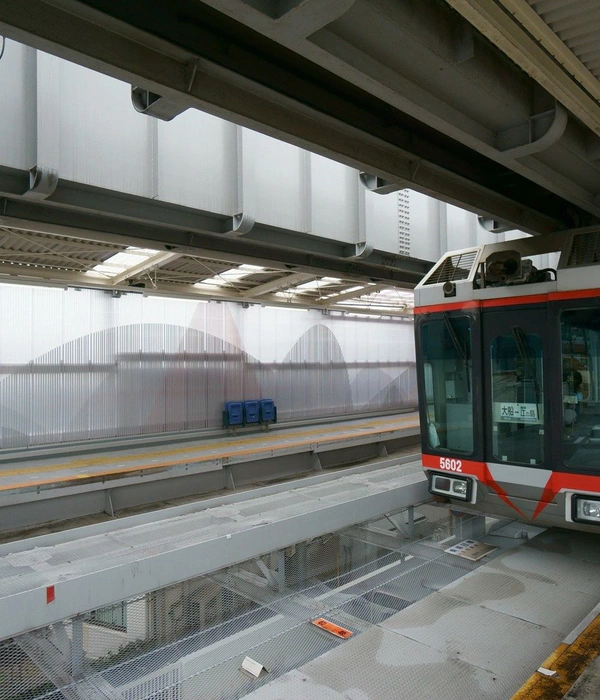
(512, 269)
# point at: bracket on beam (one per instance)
(405, 529)
(42, 183)
(238, 225)
(302, 17)
(267, 573)
(493, 225)
(524, 140)
(154, 105)
(377, 184)
(464, 42)
(359, 250)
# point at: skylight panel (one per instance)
(122, 261)
(315, 284)
(227, 277)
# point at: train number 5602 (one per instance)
(453, 465)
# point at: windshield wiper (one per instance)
(525, 353)
(455, 340)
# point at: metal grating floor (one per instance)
(479, 637)
(100, 569)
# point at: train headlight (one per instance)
(585, 509)
(451, 486)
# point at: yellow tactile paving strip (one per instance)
(569, 661)
(205, 451)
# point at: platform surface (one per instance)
(477, 638)
(54, 466)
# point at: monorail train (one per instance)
(508, 360)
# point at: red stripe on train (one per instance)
(480, 470)
(557, 481)
(508, 301)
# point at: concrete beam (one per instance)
(523, 36)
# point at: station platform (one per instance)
(45, 485)
(524, 625)
(522, 622)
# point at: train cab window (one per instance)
(517, 398)
(580, 336)
(446, 348)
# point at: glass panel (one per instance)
(580, 334)
(446, 345)
(114, 616)
(517, 398)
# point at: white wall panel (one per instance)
(103, 140)
(273, 181)
(80, 365)
(462, 228)
(334, 200)
(424, 219)
(381, 217)
(17, 106)
(197, 162)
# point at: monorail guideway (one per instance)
(509, 378)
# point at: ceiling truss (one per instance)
(40, 258)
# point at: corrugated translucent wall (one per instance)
(77, 365)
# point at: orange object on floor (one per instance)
(333, 629)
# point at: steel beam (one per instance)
(213, 63)
(278, 284)
(101, 569)
(152, 262)
(92, 213)
(370, 289)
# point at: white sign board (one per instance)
(509, 412)
(252, 667)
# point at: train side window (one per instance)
(448, 382)
(517, 398)
(580, 336)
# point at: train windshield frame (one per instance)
(447, 379)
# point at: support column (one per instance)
(281, 571)
(77, 654)
(302, 562)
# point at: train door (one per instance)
(515, 369)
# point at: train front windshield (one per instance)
(446, 347)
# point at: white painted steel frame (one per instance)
(140, 554)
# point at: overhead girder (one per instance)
(532, 44)
(92, 213)
(406, 90)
